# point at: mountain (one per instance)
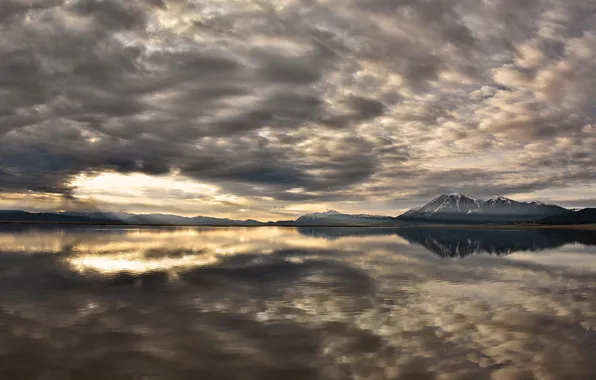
(46, 217)
(446, 206)
(507, 210)
(584, 216)
(445, 209)
(334, 218)
(459, 208)
(176, 220)
(281, 223)
(100, 217)
(170, 219)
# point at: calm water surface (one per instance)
(306, 303)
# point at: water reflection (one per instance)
(271, 303)
(461, 242)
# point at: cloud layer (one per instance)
(300, 102)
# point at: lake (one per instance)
(110, 303)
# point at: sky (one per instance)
(269, 109)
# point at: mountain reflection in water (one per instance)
(283, 303)
(460, 242)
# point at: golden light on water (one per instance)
(179, 250)
(136, 263)
(171, 249)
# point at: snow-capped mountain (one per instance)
(320, 215)
(332, 217)
(411, 211)
(506, 207)
(444, 205)
(498, 201)
(459, 208)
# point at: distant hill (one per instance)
(97, 215)
(459, 208)
(584, 216)
(118, 218)
(44, 217)
(328, 218)
(163, 219)
(334, 218)
(281, 223)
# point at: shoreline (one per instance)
(452, 226)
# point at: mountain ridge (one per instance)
(453, 208)
(332, 217)
(572, 217)
(459, 208)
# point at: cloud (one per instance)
(347, 100)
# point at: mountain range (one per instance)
(459, 208)
(165, 219)
(445, 209)
(332, 217)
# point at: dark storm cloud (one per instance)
(67, 88)
(263, 99)
(110, 13)
(360, 109)
(16, 8)
(271, 166)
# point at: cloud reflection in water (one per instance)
(271, 303)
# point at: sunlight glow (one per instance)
(138, 182)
